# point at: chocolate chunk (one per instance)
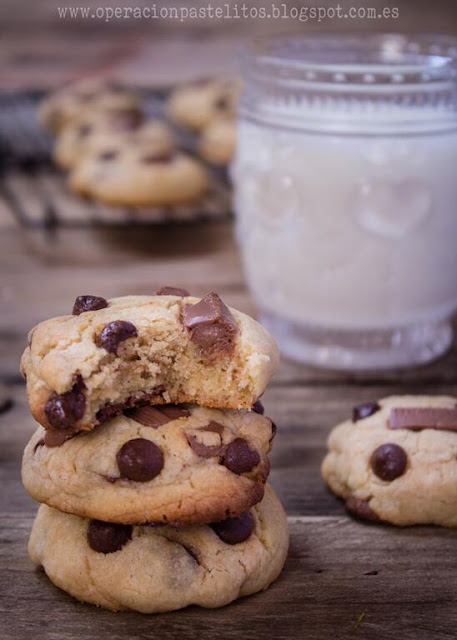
(108, 155)
(139, 460)
(364, 410)
(361, 509)
(64, 410)
(157, 416)
(56, 438)
(172, 291)
(162, 157)
(211, 325)
(204, 449)
(417, 418)
(234, 530)
(108, 537)
(88, 303)
(258, 407)
(389, 461)
(239, 457)
(114, 333)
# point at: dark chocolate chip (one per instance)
(364, 410)
(211, 325)
(139, 460)
(206, 450)
(234, 530)
(88, 303)
(108, 155)
(153, 158)
(114, 333)
(239, 457)
(108, 537)
(157, 416)
(258, 407)
(361, 509)
(172, 291)
(64, 410)
(389, 461)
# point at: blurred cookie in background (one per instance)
(195, 105)
(86, 97)
(217, 142)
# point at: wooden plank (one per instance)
(21, 193)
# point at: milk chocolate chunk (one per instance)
(56, 438)
(139, 460)
(364, 410)
(108, 537)
(239, 457)
(417, 418)
(234, 530)
(361, 509)
(213, 445)
(157, 416)
(114, 333)
(64, 410)
(160, 158)
(211, 325)
(172, 291)
(389, 461)
(88, 303)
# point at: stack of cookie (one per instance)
(152, 455)
(116, 155)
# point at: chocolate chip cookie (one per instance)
(111, 355)
(124, 173)
(80, 99)
(163, 464)
(396, 461)
(94, 133)
(156, 569)
(197, 104)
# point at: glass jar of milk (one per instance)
(346, 196)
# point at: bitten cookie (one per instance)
(156, 569)
(396, 461)
(111, 355)
(87, 97)
(197, 104)
(156, 464)
(218, 141)
(127, 174)
(95, 133)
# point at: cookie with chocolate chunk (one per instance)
(395, 461)
(155, 569)
(112, 355)
(93, 133)
(125, 173)
(197, 104)
(76, 101)
(166, 463)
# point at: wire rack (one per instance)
(35, 191)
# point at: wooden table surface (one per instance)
(343, 579)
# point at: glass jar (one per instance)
(346, 195)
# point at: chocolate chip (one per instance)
(64, 410)
(157, 416)
(258, 407)
(88, 303)
(139, 460)
(239, 457)
(222, 103)
(389, 461)
(203, 449)
(108, 537)
(84, 130)
(211, 325)
(114, 333)
(172, 291)
(234, 530)
(364, 410)
(361, 509)
(56, 438)
(108, 155)
(153, 158)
